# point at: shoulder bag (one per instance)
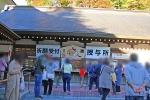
(101, 71)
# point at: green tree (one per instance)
(119, 4)
(138, 4)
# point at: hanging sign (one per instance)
(73, 52)
(97, 52)
(53, 50)
(120, 56)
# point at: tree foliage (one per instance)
(39, 2)
(116, 4)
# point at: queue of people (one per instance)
(103, 74)
(105, 77)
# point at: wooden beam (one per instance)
(109, 42)
(85, 41)
(61, 40)
(132, 43)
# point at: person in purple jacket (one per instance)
(3, 66)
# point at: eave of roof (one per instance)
(49, 31)
(7, 33)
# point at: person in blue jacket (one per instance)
(89, 72)
(118, 71)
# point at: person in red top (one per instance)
(82, 73)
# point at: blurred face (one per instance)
(44, 58)
(50, 61)
(21, 61)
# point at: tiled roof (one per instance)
(83, 21)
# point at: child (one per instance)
(82, 73)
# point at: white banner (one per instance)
(97, 52)
(120, 56)
(53, 50)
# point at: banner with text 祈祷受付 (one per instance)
(53, 50)
(97, 52)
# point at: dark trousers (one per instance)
(134, 97)
(148, 97)
(118, 89)
(114, 87)
(46, 83)
(105, 92)
(97, 84)
(57, 79)
(93, 79)
(66, 79)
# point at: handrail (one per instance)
(26, 74)
(3, 80)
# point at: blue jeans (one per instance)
(66, 78)
(38, 84)
(134, 97)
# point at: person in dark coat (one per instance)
(118, 71)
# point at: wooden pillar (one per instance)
(37, 42)
(108, 45)
(84, 44)
(132, 46)
(60, 43)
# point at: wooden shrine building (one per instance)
(118, 30)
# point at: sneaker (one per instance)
(49, 94)
(81, 86)
(39, 98)
(100, 95)
(68, 93)
(44, 94)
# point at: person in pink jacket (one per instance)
(3, 66)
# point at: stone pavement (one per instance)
(76, 91)
(52, 97)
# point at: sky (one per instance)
(20, 2)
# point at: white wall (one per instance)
(6, 42)
(26, 41)
(101, 44)
(76, 43)
(5, 48)
(142, 46)
(49, 42)
(120, 45)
